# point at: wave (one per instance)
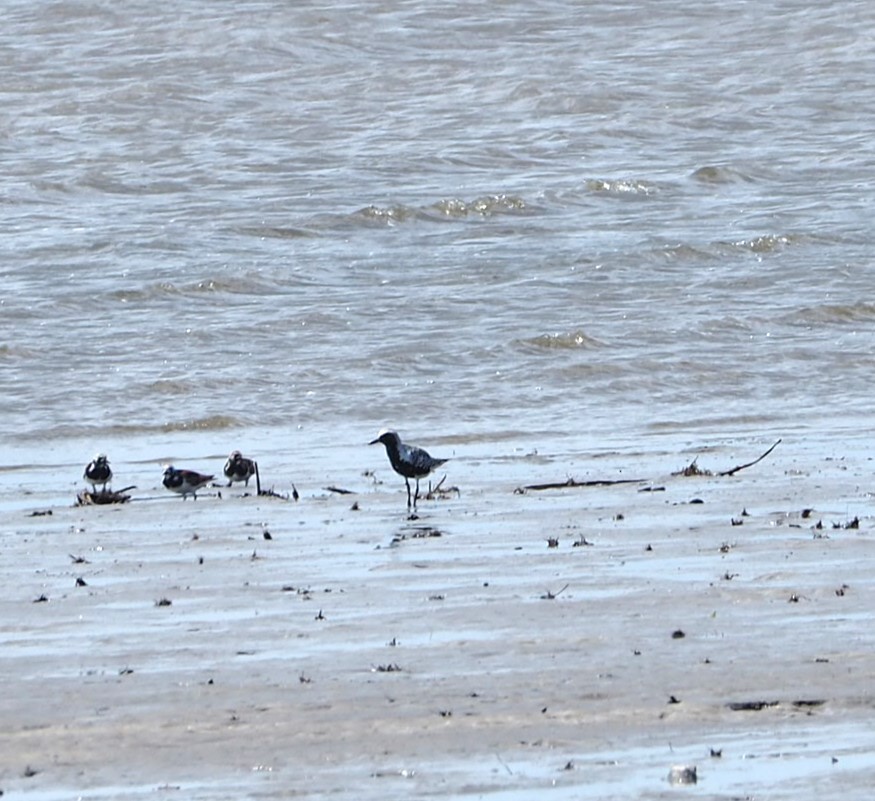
(621, 187)
(443, 209)
(774, 242)
(570, 340)
(720, 249)
(276, 232)
(713, 174)
(840, 313)
(169, 386)
(16, 352)
(216, 422)
(767, 243)
(392, 214)
(682, 253)
(388, 215)
(165, 290)
(485, 206)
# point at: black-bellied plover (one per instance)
(239, 468)
(407, 460)
(98, 471)
(185, 482)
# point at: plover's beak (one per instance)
(374, 441)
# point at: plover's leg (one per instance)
(416, 494)
(407, 484)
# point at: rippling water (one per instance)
(461, 219)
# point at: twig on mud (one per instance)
(283, 496)
(440, 491)
(571, 482)
(692, 469)
(549, 596)
(749, 464)
(270, 493)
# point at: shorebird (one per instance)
(407, 460)
(98, 471)
(238, 468)
(185, 482)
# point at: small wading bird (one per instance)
(237, 468)
(98, 471)
(407, 461)
(185, 482)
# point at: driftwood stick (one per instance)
(549, 596)
(734, 470)
(574, 483)
(440, 491)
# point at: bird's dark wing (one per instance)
(422, 462)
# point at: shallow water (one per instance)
(451, 218)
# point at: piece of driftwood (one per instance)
(551, 596)
(692, 469)
(270, 493)
(105, 496)
(571, 482)
(735, 469)
(283, 496)
(440, 491)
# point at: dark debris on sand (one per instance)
(105, 496)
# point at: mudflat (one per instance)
(576, 642)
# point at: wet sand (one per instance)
(358, 654)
